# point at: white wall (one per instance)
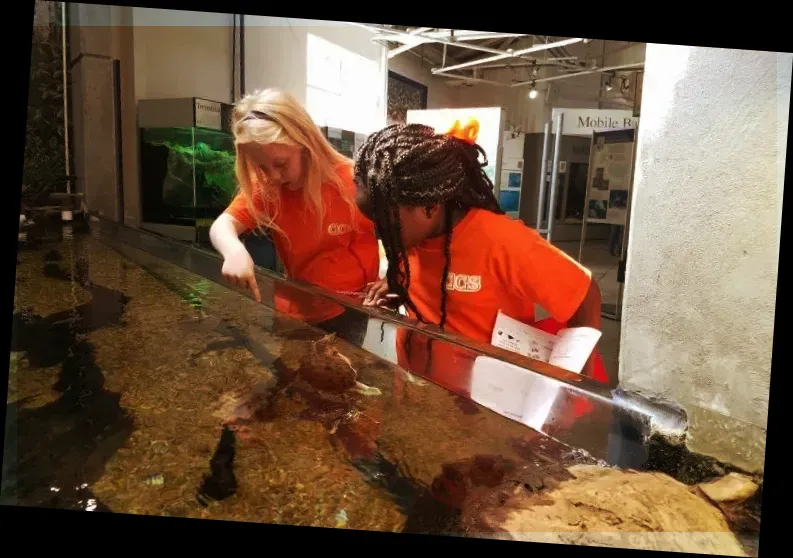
(276, 55)
(185, 54)
(702, 265)
(182, 54)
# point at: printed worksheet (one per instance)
(569, 349)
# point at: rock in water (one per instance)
(733, 494)
(611, 508)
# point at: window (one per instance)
(344, 89)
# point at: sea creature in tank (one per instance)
(326, 369)
(326, 381)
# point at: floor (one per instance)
(604, 270)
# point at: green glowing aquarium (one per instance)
(186, 165)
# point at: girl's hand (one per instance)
(376, 294)
(238, 271)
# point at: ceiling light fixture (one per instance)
(533, 91)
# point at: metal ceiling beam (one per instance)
(405, 47)
(594, 71)
(474, 36)
(502, 55)
(477, 80)
(386, 33)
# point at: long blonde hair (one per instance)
(274, 116)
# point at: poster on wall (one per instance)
(403, 95)
(611, 170)
(490, 126)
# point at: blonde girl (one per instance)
(294, 185)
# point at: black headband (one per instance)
(258, 115)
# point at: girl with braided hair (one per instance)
(296, 186)
(454, 258)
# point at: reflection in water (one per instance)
(221, 482)
(82, 428)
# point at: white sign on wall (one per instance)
(208, 114)
(582, 122)
(490, 126)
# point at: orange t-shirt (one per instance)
(342, 255)
(497, 263)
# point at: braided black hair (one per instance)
(411, 165)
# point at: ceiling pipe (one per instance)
(477, 80)
(595, 71)
(544, 63)
(503, 55)
(474, 35)
(396, 33)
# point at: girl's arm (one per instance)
(238, 266)
(225, 235)
(588, 315)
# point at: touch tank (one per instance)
(140, 384)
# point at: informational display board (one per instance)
(511, 176)
(610, 174)
(490, 127)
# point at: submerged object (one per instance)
(221, 483)
(155, 480)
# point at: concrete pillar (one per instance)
(701, 279)
(96, 156)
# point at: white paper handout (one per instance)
(569, 349)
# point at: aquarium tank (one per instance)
(186, 166)
(345, 142)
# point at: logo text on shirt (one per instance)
(338, 229)
(464, 283)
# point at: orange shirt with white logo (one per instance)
(342, 255)
(497, 263)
